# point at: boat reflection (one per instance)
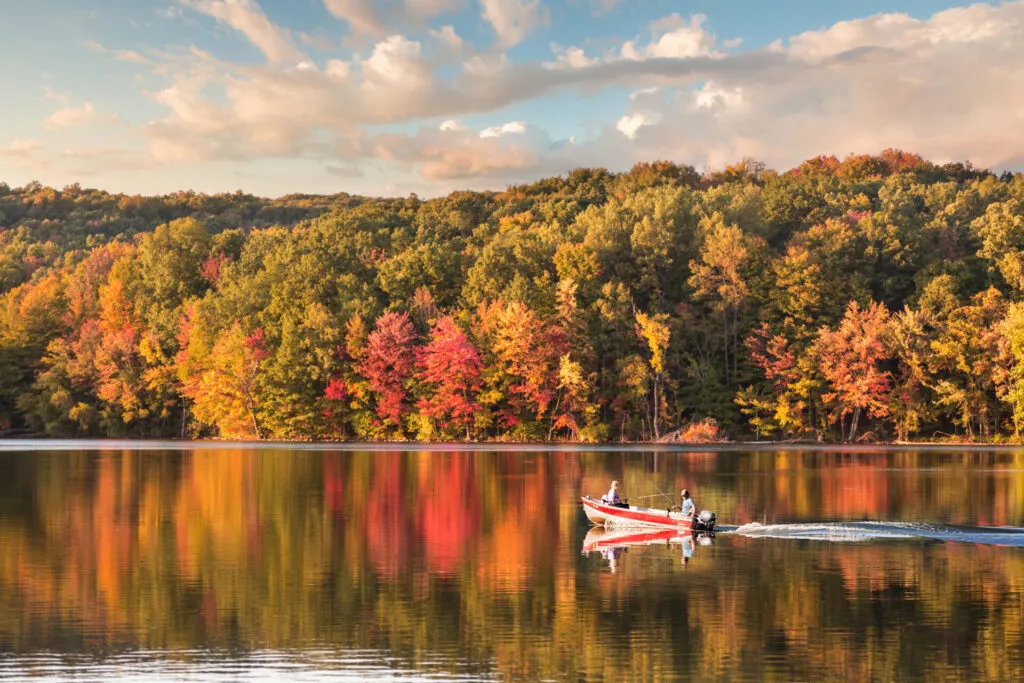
(611, 543)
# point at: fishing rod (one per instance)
(656, 495)
(662, 494)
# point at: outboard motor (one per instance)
(705, 521)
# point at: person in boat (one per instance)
(689, 508)
(612, 497)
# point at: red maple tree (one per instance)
(449, 365)
(388, 361)
(851, 358)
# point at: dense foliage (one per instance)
(877, 295)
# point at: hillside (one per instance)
(877, 294)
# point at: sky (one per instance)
(391, 97)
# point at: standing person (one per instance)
(612, 497)
(689, 507)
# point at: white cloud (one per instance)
(486, 65)
(674, 38)
(246, 17)
(120, 55)
(338, 70)
(377, 17)
(70, 117)
(318, 41)
(630, 124)
(169, 12)
(217, 110)
(21, 148)
(710, 96)
(978, 23)
(89, 153)
(951, 86)
(358, 13)
(447, 36)
(671, 38)
(513, 20)
(645, 112)
(344, 170)
(23, 153)
(570, 58)
(396, 62)
(455, 153)
(643, 93)
(90, 160)
(431, 8)
(512, 128)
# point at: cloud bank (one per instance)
(949, 87)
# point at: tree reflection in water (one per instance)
(470, 562)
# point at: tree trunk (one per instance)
(184, 416)
(654, 419)
(551, 428)
(735, 344)
(249, 406)
(853, 425)
(725, 339)
(645, 421)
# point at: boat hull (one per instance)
(609, 515)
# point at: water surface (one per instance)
(141, 562)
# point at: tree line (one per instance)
(877, 296)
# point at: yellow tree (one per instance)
(220, 376)
(1012, 391)
(654, 330)
(965, 362)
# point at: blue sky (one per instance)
(426, 96)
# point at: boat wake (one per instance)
(859, 532)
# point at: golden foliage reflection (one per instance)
(472, 561)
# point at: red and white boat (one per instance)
(603, 514)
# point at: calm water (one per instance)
(225, 563)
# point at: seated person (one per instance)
(689, 507)
(612, 497)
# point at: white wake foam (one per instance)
(859, 532)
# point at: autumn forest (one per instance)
(876, 297)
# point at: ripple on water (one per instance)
(213, 667)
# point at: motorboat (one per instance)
(606, 514)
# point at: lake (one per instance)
(142, 561)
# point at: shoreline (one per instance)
(40, 444)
